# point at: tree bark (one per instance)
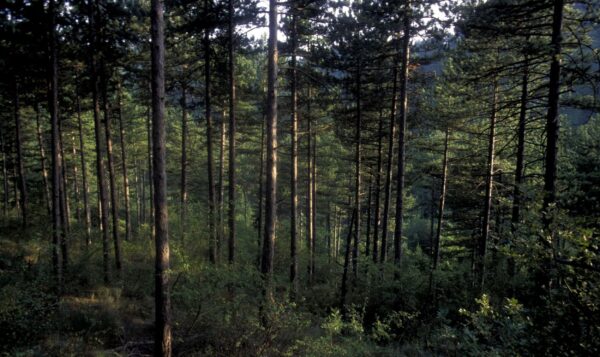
(40, 140)
(75, 180)
(55, 151)
(4, 176)
(377, 190)
(103, 199)
(20, 160)
(344, 287)
(212, 247)
(369, 217)
(357, 163)
(124, 163)
(220, 193)
(85, 188)
(184, 160)
(161, 220)
(389, 164)
(309, 199)
(552, 117)
(438, 236)
(401, 137)
(114, 204)
(485, 228)
(232, 131)
(271, 162)
(294, 159)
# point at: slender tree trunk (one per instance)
(232, 131)
(377, 189)
(271, 167)
(4, 176)
(552, 117)
(369, 217)
(111, 176)
(40, 140)
(261, 193)
(85, 188)
(20, 160)
(55, 152)
(212, 247)
(314, 192)
(485, 228)
(294, 160)
(161, 220)
(344, 287)
(432, 220)
(64, 197)
(357, 162)
(389, 164)
(438, 236)
(184, 160)
(124, 164)
(220, 193)
(401, 137)
(75, 180)
(309, 199)
(150, 170)
(103, 199)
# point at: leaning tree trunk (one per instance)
(212, 247)
(389, 164)
(438, 236)
(111, 176)
(485, 227)
(40, 140)
(232, 130)
(401, 138)
(124, 164)
(20, 160)
(162, 341)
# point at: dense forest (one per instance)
(300, 178)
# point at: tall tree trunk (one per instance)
(184, 160)
(75, 180)
(369, 217)
(150, 170)
(377, 189)
(389, 164)
(485, 227)
(357, 162)
(232, 130)
(271, 167)
(124, 163)
(294, 158)
(103, 199)
(552, 117)
(438, 236)
(162, 341)
(401, 136)
(212, 247)
(220, 193)
(55, 152)
(40, 140)
(309, 199)
(261, 176)
(344, 287)
(64, 197)
(85, 188)
(114, 204)
(4, 175)
(314, 190)
(20, 160)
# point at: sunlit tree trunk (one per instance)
(294, 158)
(162, 346)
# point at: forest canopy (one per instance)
(300, 178)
